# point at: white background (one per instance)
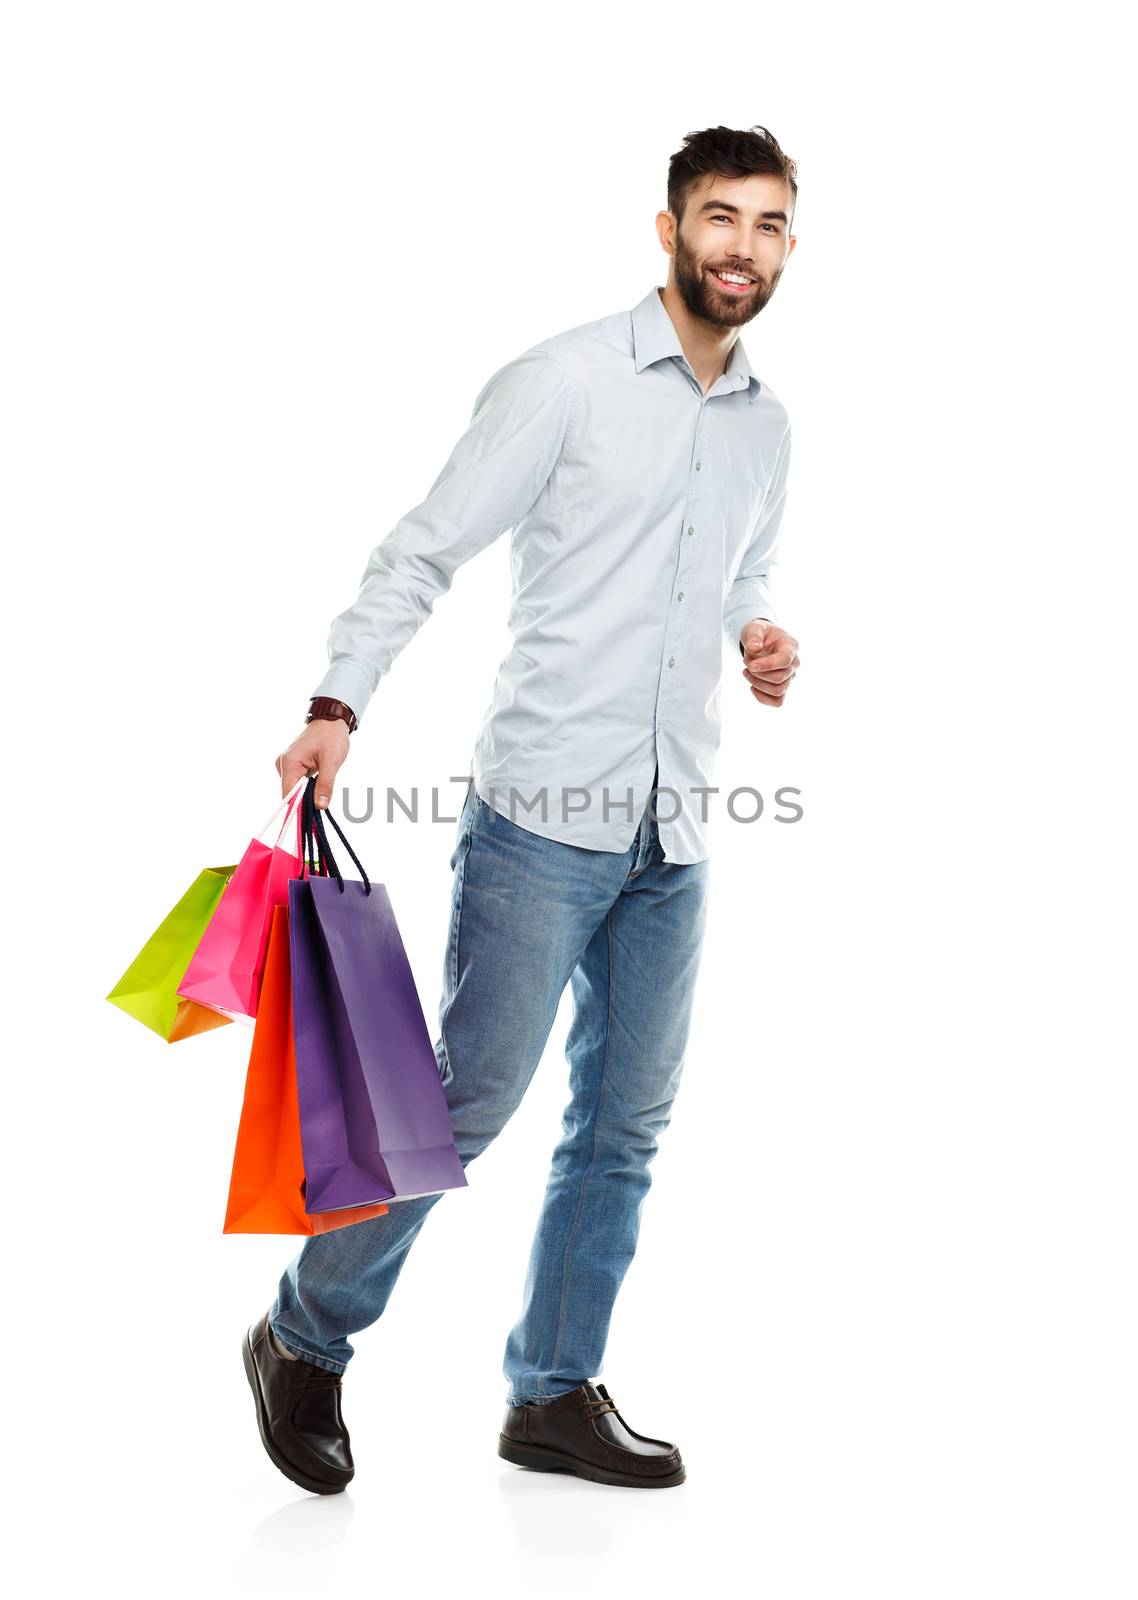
(260, 259)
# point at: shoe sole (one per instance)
(541, 1459)
(313, 1485)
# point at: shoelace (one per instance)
(596, 1408)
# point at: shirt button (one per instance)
(698, 465)
(671, 661)
(680, 595)
(690, 532)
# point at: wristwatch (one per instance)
(322, 709)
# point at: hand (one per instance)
(770, 657)
(322, 747)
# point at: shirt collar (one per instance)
(654, 337)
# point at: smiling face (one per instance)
(732, 229)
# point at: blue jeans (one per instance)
(528, 916)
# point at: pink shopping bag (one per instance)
(226, 969)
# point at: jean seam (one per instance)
(461, 872)
(575, 1225)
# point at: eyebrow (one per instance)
(725, 205)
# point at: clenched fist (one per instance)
(770, 656)
(322, 747)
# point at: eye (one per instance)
(773, 226)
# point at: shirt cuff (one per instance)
(352, 683)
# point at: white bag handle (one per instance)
(286, 806)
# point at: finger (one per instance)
(779, 658)
(291, 769)
(764, 678)
(326, 777)
(765, 686)
(767, 699)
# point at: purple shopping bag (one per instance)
(374, 1121)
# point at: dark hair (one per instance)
(732, 153)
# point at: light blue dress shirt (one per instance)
(644, 519)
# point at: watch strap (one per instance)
(324, 709)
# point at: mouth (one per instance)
(732, 282)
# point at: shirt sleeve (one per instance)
(493, 476)
(749, 594)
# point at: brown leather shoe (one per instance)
(582, 1432)
(298, 1413)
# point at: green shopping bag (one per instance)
(147, 989)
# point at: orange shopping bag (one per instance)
(266, 1191)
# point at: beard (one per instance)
(703, 297)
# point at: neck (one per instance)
(707, 348)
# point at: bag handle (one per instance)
(313, 861)
(286, 806)
(314, 823)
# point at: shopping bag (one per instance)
(225, 971)
(147, 989)
(267, 1187)
(374, 1121)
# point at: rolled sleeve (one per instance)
(749, 595)
(493, 476)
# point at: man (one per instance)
(641, 466)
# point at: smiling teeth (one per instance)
(732, 277)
